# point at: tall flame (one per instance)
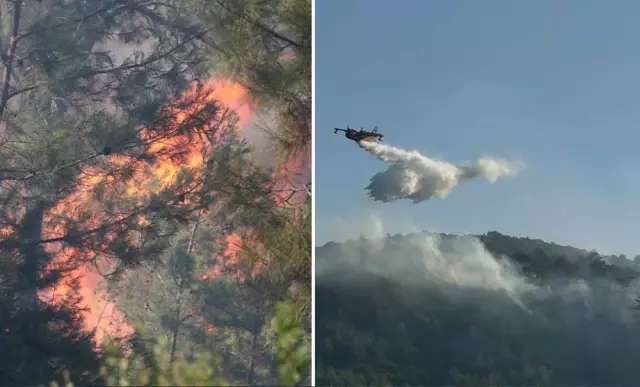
(85, 207)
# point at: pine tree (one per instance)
(82, 124)
(267, 46)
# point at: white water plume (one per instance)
(418, 178)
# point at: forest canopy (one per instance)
(490, 310)
(149, 232)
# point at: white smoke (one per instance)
(418, 178)
(464, 271)
(465, 262)
(461, 261)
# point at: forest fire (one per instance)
(289, 181)
(84, 206)
(228, 259)
(288, 191)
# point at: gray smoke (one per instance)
(418, 178)
(451, 263)
(464, 271)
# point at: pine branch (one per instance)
(93, 73)
(261, 26)
(8, 61)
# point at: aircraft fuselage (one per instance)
(360, 135)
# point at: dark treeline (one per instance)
(494, 310)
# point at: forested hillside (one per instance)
(155, 223)
(491, 310)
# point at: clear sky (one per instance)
(555, 84)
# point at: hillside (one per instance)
(432, 309)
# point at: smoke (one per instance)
(450, 263)
(418, 178)
(462, 270)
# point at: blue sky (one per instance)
(555, 84)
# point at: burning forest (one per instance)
(185, 149)
(137, 218)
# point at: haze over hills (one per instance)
(436, 309)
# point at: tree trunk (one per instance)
(33, 257)
(8, 65)
(176, 329)
(252, 359)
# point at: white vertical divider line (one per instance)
(313, 193)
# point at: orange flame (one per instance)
(290, 180)
(289, 190)
(85, 207)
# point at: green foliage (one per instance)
(186, 369)
(292, 345)
(138, 369)
(266, 45)
(376, 327)
(286, 249)
(84, 80)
